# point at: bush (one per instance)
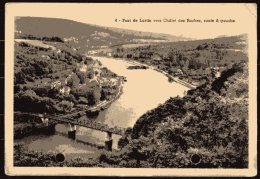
(29, 101)
(64, 106)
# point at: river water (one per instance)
(143, 91)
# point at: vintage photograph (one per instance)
(119, 86)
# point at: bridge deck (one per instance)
(72, 118)
(92, 125)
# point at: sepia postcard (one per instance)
(131, 89)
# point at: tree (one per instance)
(90, 95)
(65, 106)
(90, 74)
(19, 78)
(29, 101)
(82, 77)
(103, 94)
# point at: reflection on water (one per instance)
(143, 91)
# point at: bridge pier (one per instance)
(44, 119)
(108, 141)
(72, 131)
(48, 127)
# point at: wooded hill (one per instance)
(210, 122)
(52, 77)
(190, 60)
(82, 36)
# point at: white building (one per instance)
(65, 90)
(56, 84)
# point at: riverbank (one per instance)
(171, 78)
(26, 124)
(105, 104)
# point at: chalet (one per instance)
(215, 72)
(178, 72)
(56, 84)
(66, 80)
(82, 66)
(92, 52)
(65, 90)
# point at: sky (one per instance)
(105, 14)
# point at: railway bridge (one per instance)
(73, 120)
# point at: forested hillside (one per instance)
(192, 61)
(209, 126)
(53, 77)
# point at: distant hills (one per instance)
(86, 36)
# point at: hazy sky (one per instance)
(105, 15)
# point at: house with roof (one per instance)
(82, 66)
(215, 72)
(178, 72)
(56, 84)
(64, 90)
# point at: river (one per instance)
(143, 91)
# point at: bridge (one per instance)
(73, 118)
(48, 123)
(90, 124)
